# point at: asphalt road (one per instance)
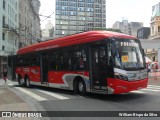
(16, 98)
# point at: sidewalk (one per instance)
(10, 101)
(2, 82)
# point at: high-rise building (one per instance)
(134, 26)
(123, 26)
(143, 33)
(9, 24)
(74, 16)
(48, 32)
(128, 28)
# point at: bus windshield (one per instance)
(129, 54)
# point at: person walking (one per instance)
(5, 75)
(149, 69)
(156, 67)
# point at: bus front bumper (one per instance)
(120, 86)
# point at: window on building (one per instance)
(15, 17)
(3, 21)
(158, 28)
(16, 5)
(3, 47)
(4, 4)
(3, 36)
(152, 30)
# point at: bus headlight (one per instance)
(120, 76)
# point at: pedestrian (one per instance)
(149, 69)
(156, 67)
(5, 75)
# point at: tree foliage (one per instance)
(109, 29)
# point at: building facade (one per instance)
(134, 26)
(155, 22)
(155, 31)
(123, 26)
(9, 24)
(143, 33)
(74, 16)
(128, 28)
(29, 22)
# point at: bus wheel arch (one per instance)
(79, 85)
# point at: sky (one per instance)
(116, 10)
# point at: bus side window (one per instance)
(54, 60)
(79, 58)
(109, 55)
(35, 60)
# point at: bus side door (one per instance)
(44, 68)
(98, 67)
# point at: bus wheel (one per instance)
(20, 81)
(82, 87)
(75, 87)
(27, 82)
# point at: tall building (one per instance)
(128, 28)
(29, 22)
(74, 16)
(123, 26)
(134, 26)
(143, 33)
(9, 24)
(48, 32)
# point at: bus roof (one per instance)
(80, 38)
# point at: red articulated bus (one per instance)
(102, 62)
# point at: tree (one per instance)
(109, 29)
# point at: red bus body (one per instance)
(64, 79)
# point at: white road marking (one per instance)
(35, 96)
(153, 88)
(53, 94)
(10, 84)
(137, 92)
(150, 90)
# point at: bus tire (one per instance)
(75, 86)
(20, 81)
(81, 87)
(27, 82)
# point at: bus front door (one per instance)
(98, 68)
(44, 69)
